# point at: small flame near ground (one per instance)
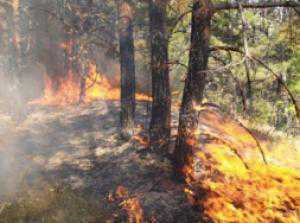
(97, 87)
(131, 205)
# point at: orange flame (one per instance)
(134, 210)
(131, 205)
(67, 93)
(232, 193)
(97, 87)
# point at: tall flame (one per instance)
(97, 87)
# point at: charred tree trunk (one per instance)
(127, 68)
(194, 83)
(82, 93)
(161, 106)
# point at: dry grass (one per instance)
(44, 203)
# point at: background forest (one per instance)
(33, 34)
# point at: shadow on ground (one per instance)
(69, 164)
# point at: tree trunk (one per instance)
(194, 83)
(160, 125)
(83, 67)
(82, 93)
(247, 62)
(24, 31)
(16, 102)
(127, 68)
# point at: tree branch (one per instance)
(177, 62)
(226, 48)
(255, 59)
(235, 5)
(293, 99)
(260, 4)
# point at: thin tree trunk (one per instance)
(82, 93)
(24, 31)
(194, 83)
(247, 61)
(16, 104)
(160, 125)
(84, 57)
(127, 68)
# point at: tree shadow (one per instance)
(82, 149)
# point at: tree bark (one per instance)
(194, 83)
(160, 125)
(127, 68)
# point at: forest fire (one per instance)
(234, 194)
(97, 87)
(150, 111)
(68, 92)
(227, 191)
(131, 205)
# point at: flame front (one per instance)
(69, 89)
(99, 87)
(232, 193)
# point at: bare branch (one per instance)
(176, 62)
(293, 99)
(226, 48)
(255, 59)
(259, 4)
(256, 141)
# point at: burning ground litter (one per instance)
(230, 181)
(75, 155)
(66, 164)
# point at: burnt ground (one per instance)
(77, 152)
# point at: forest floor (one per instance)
(69, 164)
